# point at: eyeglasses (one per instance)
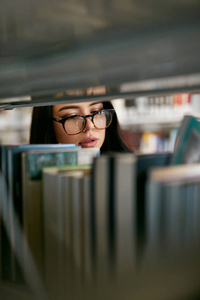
(76, 124)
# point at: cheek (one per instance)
(62, 137)
(101, 137)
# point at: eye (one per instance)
(94, 111)
(68, 116)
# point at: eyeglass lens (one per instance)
(77, 123)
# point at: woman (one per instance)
(85, 124)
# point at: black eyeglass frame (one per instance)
(62, 121)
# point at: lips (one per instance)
(89, 142)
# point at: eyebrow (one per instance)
(75, 107)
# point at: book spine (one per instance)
(125, 210)
(52, 208)
(100, 200)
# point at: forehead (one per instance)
(78, 105)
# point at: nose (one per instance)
(89, 124)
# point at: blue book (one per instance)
(12, 202)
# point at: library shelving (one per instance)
(15, 125)
(151, 123)
(136, 50)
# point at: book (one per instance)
(64, 222)
(118, 206)
(144, 164)
(14, 170)
(5, 251)
(113, 200)
(14, 199)
(172, 207)
(188, 143)
(76, 219)
(33, 161)
(8, 259)
(13, 178)
(124, 187)
(99, 215)
(86, 230)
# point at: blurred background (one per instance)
(150, 124)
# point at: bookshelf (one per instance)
(14, 125)
(132, 48)
(152, 123)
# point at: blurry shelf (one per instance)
(14, 129)
(130, 47)
(154, 123)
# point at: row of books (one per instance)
(21, 198)
(81, 225)
(158, 141)
(91, 222)
(171, 105)
(173, 208)
(124, 211)
(128, 210)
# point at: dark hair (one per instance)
(42, 131)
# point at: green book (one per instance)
(188, 145)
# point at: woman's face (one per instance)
(90, 137)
